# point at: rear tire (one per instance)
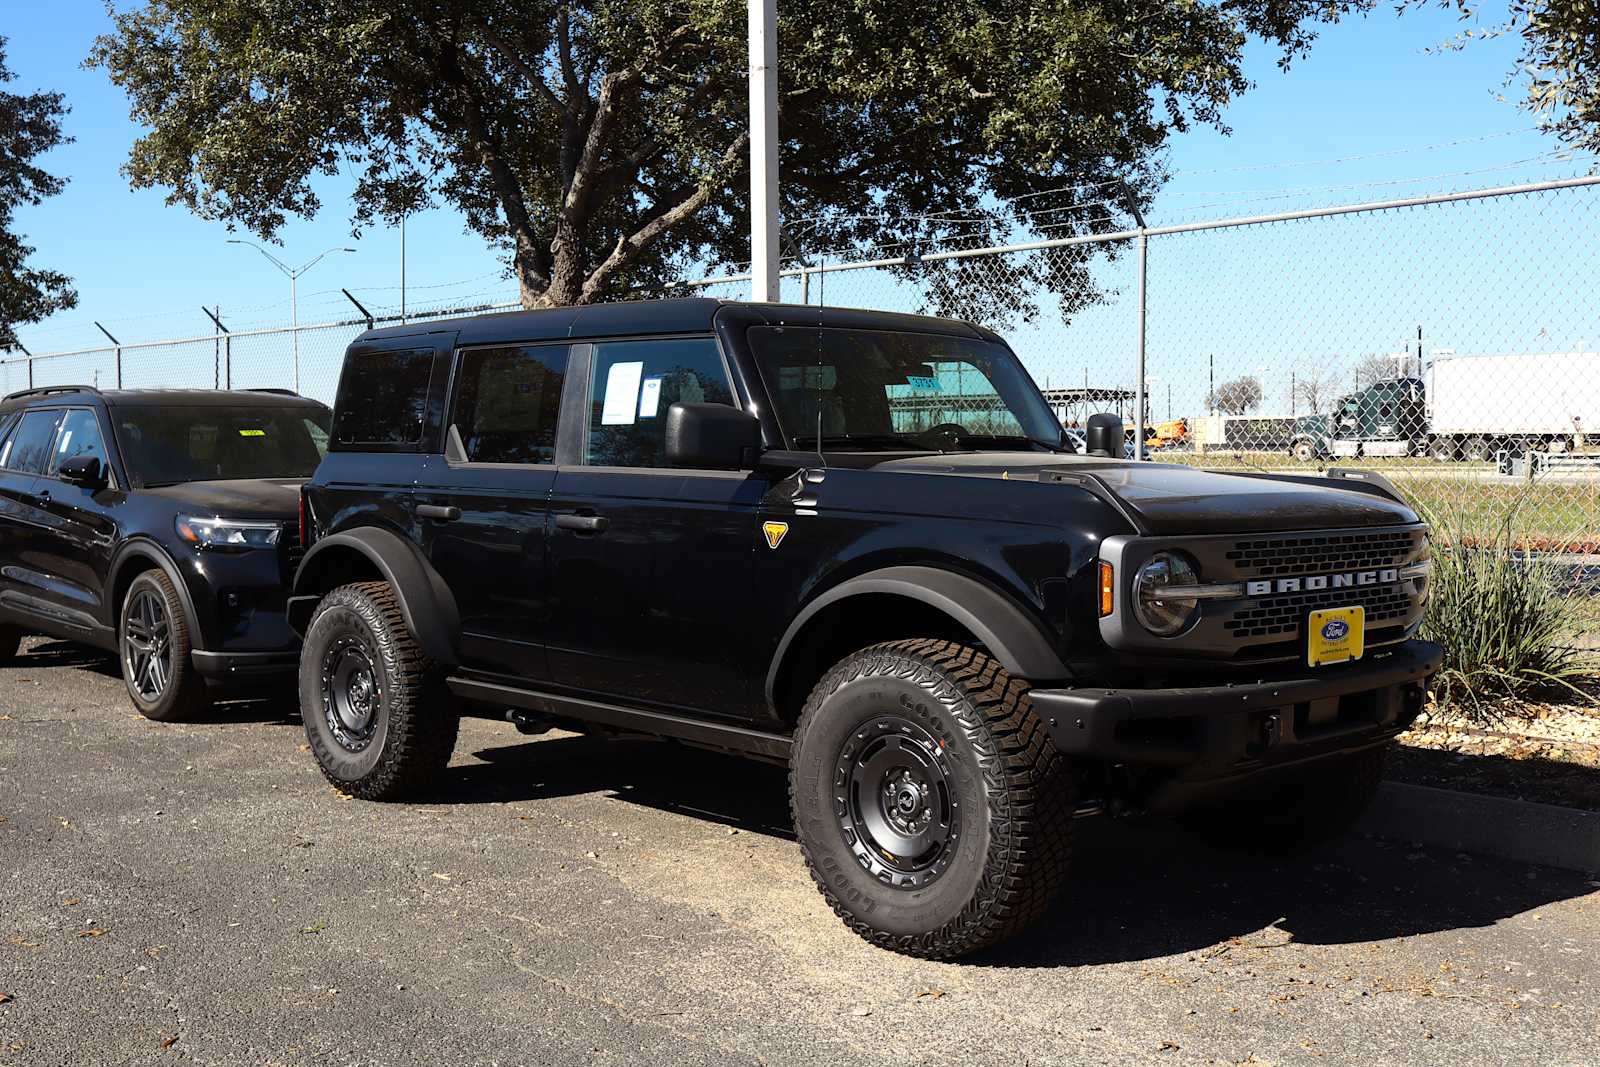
(376, 711)
(1476, 450)
(1443, 450)
(933, 810)
(10, 642)
(1322, 802)
(153, 649)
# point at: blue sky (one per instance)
(1368, 89)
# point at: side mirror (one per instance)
(82, 470)
(1105, 435)
(712, 436)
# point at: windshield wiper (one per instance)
(881, 440)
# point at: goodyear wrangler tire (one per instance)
(933, 810)
(376, 710)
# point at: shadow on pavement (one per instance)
(1139, 889)
(49, 654)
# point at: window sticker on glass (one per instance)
(622, 394)
(650, 397)
(919, 381)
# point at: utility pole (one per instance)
(293, 274)
(764, 275)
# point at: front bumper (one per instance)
(1224, 731)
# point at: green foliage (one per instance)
(601, 143)
(29, 126)
(1509, 621)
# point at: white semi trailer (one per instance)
(1478, 405)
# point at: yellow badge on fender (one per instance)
(774, 532)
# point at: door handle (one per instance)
(585, 523)
(442, 512)
(42, 496)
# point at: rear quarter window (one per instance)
(383, 398)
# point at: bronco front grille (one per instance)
(1281, 616)
(1284, 555)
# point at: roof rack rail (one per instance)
(271, 389)
(44, 390)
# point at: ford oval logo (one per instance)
(1335, 629)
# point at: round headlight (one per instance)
(1164, 616)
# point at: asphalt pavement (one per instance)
(197, 893)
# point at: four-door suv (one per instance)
(159, 524)
(854, 543)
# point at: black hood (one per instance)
(1174, 498)
(237, 498)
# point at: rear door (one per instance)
(482, 506)
(651, 567)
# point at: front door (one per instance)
(78, 526)
(482, 505)
(651, 567)
(25, 533)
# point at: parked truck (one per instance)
(1465, 408)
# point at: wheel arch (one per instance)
(372, 553)
(133, 559)
(929, 602)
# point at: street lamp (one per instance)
(293, 274)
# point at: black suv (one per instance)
(159, 524)
(855, 543)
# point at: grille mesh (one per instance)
(1273, 557)
(1281, 616)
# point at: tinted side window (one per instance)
(508, 401)
(383, 397)
(632, 385)
(80, 436)
(29, 448)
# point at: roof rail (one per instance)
(270, 389)
(44, 390)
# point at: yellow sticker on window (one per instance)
(252, 433)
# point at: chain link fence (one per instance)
(1451, 342)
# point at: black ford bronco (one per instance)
(856, 543)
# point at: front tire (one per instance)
(1304, 451)
(933, 810)
(153, 646)
(376, 711)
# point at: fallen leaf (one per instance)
(168, 1042)
(861, 1013)
(5, 998)
(70, 903)
(441, 877)
(315, 928)
(93, 932)
(1169, 1046)
(931, 994)
(22, 942)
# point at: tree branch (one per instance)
(629, 246)
(511, 55)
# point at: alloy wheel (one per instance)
(147, 645)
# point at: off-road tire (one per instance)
(10, 642)
(1298, 813)
(1012, 791)
(414, 723)
(183, 694)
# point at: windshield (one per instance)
(168, 445)
(861, 389)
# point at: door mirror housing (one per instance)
(712, 437)
(1105, 436)
(82, 470)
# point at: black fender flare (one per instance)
(426, 603)
(1004, 628)
(142, 548)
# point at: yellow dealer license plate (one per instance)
(1336, 635)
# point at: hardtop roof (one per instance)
(646, 317)
(60, 396)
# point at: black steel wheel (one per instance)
(153, 646)
(377, 714)
(895, 806)
(933, 810)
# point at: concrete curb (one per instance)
(1491, 826)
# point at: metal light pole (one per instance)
(293, 274)
(764, 149)
(1144, 258)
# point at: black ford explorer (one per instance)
(856, 543)
(160, 524)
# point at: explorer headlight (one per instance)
(216, 532)
(1165, 615)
